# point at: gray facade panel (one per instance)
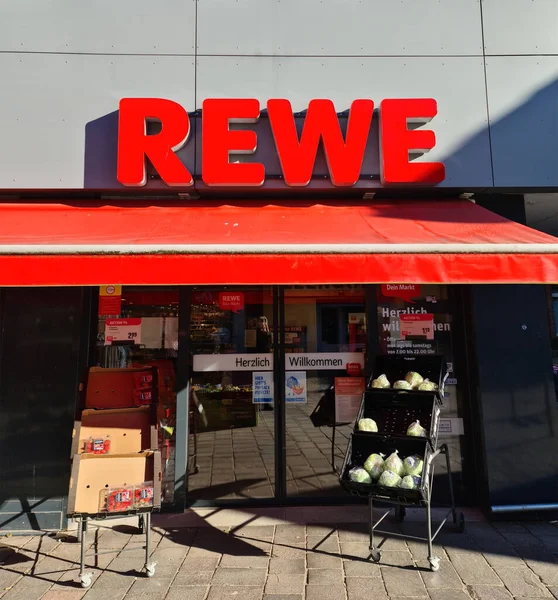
(103, 26)
(339, 28)
(523, 119)
(56, 113)
(520, 26)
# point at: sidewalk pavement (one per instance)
(282, 560)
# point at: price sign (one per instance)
(417, 326)
(122, 330)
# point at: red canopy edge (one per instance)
(250, 243)
(279, 269)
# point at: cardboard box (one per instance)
(120, 388)
(166, 380)
(128, 430)
(93, 476)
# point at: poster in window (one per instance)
(348, 396)
(295, 384)
(262, 387)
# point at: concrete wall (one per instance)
(491, 65)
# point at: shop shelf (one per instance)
(394, 412)
(361, 446)
(395, 368)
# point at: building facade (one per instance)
(262, 194)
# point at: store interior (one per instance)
(231, 336)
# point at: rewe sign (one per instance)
(401, 129)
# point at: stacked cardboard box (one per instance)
(116, 467)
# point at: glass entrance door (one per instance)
(231, 425)
(325, 342)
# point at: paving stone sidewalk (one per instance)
(288, 562)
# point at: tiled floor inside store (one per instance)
(239, 463)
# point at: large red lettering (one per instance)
(344, 156)
(218, 142)
(134, 145)
(397, 140)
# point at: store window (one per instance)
(325, 344)
(418, 320)
(138, 327)
(231, 436)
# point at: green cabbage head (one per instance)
(374, 465)
(359, 475)
(413, 465)
(410, 482)
(367, 425)
(389, 479)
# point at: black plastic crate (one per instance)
(361, 446)
(395, 368)
(394, 412)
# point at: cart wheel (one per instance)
(86, 580)
(434, 563)
(376, 555)
(400, 513)
(150, 570)
(461, 523)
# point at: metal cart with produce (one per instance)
(392, 411)
(116, 464)
(94, 496)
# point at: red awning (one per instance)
(436, 241)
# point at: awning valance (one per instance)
(295, 242)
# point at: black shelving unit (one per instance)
(394, 411)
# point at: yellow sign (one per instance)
(110, 290)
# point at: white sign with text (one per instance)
(233, 362)
(311, 361)
(122, 330)
(451, 427)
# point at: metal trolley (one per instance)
(394, 411)
(144, 526)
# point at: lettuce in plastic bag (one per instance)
(416, 430)
(410, 482)
(389, 479)
(427, 386)
(394, 463)
(359, 475)
(374, 465)
(381, 382)
(402, 385)
(413, 379)
(413, 465)
(367, 425)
